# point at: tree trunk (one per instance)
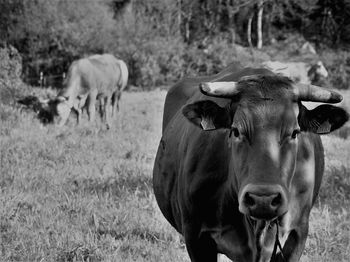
(179, 16)
(268, 29)
(187, 31)
(259, 23)
(219, 12)
(229, 13)
(249, 30)
(186, 17)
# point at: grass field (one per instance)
(85, 194)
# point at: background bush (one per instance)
(163, 40)
(10, 74)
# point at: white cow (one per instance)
(298, 71)
(100, 77)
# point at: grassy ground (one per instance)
(85, 194)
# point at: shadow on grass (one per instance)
(143, 234)
(79, 253)
(112, 186)
(343, 132)
(335, 189)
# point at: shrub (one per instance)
(162, 61)
(151, 62)
(10, 73)
(338, 66)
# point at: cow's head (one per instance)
(54, 110)
(317, 71)
(265, 117)
(61, 109)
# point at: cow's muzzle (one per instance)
(265, 202)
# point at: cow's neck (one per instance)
(262, 238)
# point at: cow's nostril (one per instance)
(277, 201)
(248, 200)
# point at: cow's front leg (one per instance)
(78, 112)
(108, 112)
(101, 107)
(200, 247)
(294, 245)
(115, 102)
(91, 106)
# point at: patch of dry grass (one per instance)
(85, 194)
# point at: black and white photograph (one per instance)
(175, 130)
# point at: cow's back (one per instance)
(103, 73)
(98, 73)
(297, 71)
(124, 75)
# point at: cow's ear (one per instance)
(323, 119)
(207, 115)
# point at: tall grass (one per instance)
(85, 194)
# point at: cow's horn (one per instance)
(306, 92)
(61, 98)
(44, 101)
(219, 89)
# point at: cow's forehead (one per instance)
(268, 112)
(272, 98)
(258, 89)
(265, 86)
(274, 107)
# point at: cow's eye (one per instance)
(235, 131)
(295, 133)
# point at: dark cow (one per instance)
(240, 163)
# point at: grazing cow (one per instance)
(298, 71)
(98, 76)
(240, 163)
(308, 48)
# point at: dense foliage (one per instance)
(162, 40)
(10, 74)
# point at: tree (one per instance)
(10, 11)
(249, 30)
(51, 30)
(330, 22)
